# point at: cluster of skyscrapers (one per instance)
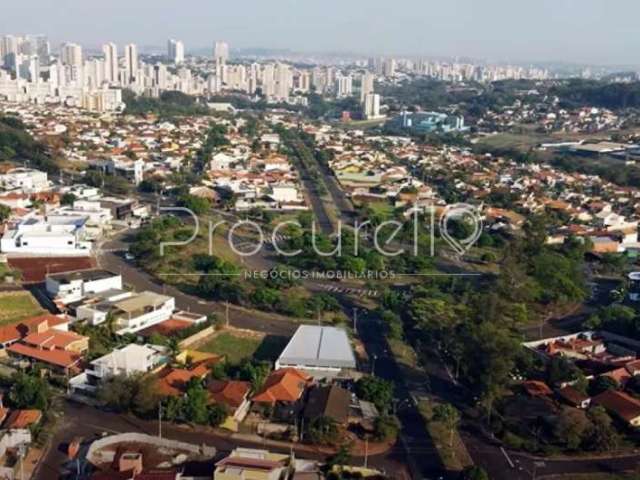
(30, 72)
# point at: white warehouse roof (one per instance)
(318, 347)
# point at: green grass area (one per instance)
(453, 455)
(403, 353)
(522, 142)
(15, 306)
(384, 209)
(363, 124)
(237, 347)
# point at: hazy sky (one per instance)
(589, 31)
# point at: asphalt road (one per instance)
(89, 423)
(319, 210)
(110, 256)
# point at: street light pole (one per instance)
(355, 319)
(160, 420)
(366, 451)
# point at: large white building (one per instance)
(372, 106)
(129, 360)
(366, 85)
(112, 70)
(47, 236)
(320, 351)
(71, 55)
(175, 51)
(131, 312)
(130, 63)
(68, 287)
(344, 86)
(27, 180)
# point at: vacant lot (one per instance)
(16, 306)
(238, 346)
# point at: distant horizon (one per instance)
(572, 32)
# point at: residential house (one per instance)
(573, 397)
(68, 287)
(234, 395)
(251, 464)
(131, 312)
(620, 405)
(55, 236)
(282, 393)
(22, 419)
(26, 180)
(129, 360)
(12, 333)
(331, 401)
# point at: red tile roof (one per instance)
(620, 375)
(19, 330)
(54, 339)
(572, 395)
(173, 381)
(536, 388)
(22, 419)
(284, 385)
(619, 403)
(59, 358)
(229, 392)
(166, 328)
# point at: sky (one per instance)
(603, 32)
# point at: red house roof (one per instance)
(230, 392)
(284, 385)
(59, 358)
(18, 330)
(22, 419)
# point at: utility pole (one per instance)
(366, 451)
(160, 420)
(226, 313)
(355, 319)
(373, 365)
(22, 452)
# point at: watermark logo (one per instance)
(385, 238)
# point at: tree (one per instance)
(254, 372)
(217, 415)
(339, 459)
(323, 431)
(602, 436)
(118, 392)
(29, 391)
(386, 427)
(197, 205)
(376, 390)
(561, 370)
(68, 199)
(571, 428)
(146, 398)
(474, 472)
(602, 384)
(196, 405)
(5, 213)
(448, 415)
(173, 408)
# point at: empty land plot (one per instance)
(18, 305)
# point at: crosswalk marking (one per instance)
(349, 290)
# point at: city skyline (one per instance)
(555, 31)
